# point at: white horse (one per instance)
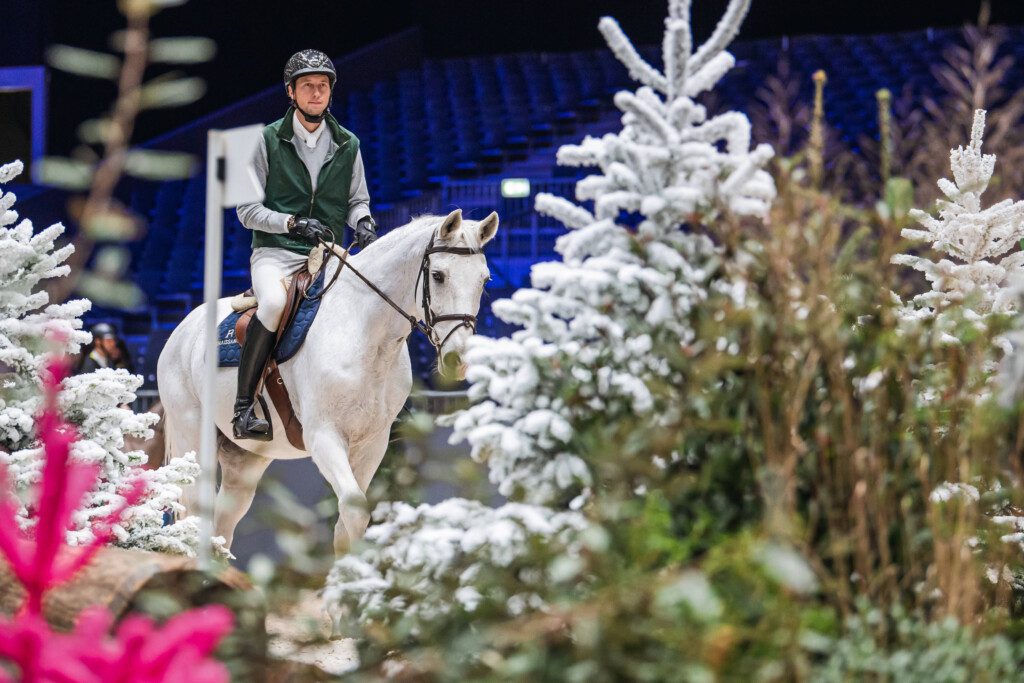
(352, 375)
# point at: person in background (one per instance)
(106, 350)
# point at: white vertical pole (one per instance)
(211, 293)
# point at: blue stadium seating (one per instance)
(426, 130)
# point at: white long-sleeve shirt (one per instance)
(256, 216)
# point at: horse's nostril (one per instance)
(451, 359)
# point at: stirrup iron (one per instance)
(245, 424)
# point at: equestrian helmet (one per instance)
(103, 331)
(306, 62)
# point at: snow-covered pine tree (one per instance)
(982, 245)
(981, 276)
(597, 326)
(31, 328)
(596, 323)
(423, 563)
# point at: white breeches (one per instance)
(270, 267)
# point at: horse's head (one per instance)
(455, 277)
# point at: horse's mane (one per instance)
(417, 230)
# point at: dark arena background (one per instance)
(763, 436)
(448, 99)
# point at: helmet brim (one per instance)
(311, 72)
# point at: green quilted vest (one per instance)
(290, 189)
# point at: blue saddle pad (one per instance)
(230, 352)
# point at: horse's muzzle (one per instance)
(452, 366)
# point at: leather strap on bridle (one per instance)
(430, 319)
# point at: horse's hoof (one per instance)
(337, 630)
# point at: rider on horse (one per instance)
(314, 183)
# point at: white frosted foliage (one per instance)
(423, 562)
(598, 329)
(982, 258)
(30, 328)
(594, 321)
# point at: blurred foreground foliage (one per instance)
(781, 527)
(803, 511)
(105, 153)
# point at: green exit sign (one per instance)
(515, 188)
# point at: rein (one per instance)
(427, 325)
(330, 247)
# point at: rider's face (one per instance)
(108, 346)
(311, 93)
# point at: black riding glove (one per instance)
(366, 232)
(310, 229)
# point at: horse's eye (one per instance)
(438, 277)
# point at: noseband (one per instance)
(430, 319)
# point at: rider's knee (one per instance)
(270, 311)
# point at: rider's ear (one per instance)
(488, 227)
(451, 224)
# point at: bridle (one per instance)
(430, 319)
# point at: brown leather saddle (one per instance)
(271, 376)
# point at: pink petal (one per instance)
(62, 490)
(133, 633)
(94, 622)
(23, 642)
(200, 630)
(102, 532)
(188, 670)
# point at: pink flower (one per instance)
(140, 651)
(41, 565)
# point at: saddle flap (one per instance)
(242, 325)
(271, 375)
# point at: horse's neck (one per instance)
(394, 268)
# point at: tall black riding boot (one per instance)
(259, 342)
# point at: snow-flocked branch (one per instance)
(30, 328)
(984, 260)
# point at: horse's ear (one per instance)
(450, 224)
(488, 227)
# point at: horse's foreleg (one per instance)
(330, 454)
(240, 472)
(364, 459)
(367, 457)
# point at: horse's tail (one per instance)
(156, 448)
(168, 436)
(189, 492)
